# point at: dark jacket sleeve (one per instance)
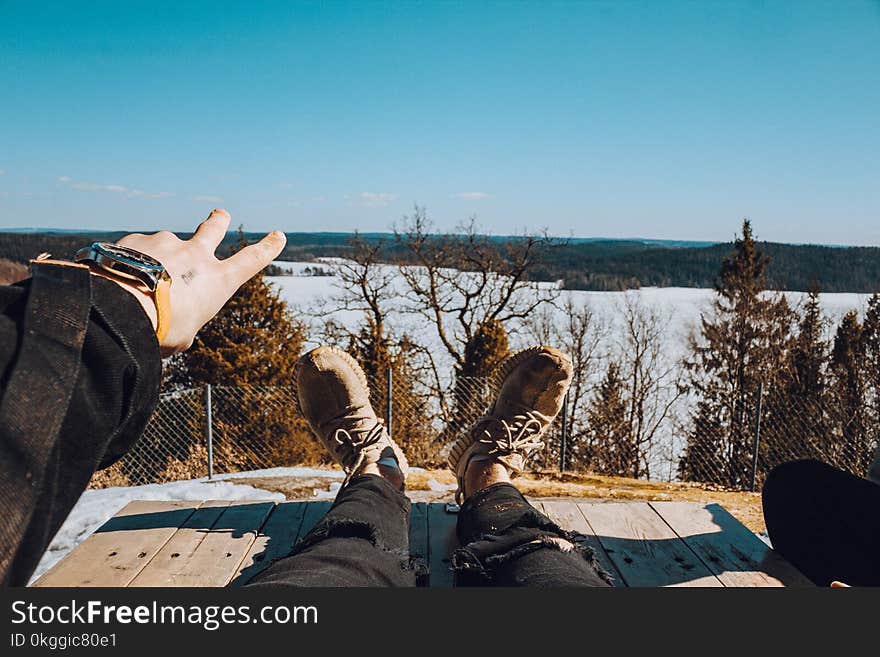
(83, 341)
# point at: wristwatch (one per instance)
(138, 267)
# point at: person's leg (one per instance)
(504, 540)
(364, 539)
(507, 542)
(826, 522)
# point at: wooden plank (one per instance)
(568, 516)
(442, 541)
(418, 539)
(122, 547)
(732, 552)
(275, 540)
(216, 559)
(171, 563)
(644, 548)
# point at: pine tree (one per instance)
(742, 343)
(609, 448)
(483, 353)
(410, 422)
(801, 407)
(871, 340)
(853, 450)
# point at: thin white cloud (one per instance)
(205, 198)
(2, 172)
(472, 196)
(375, 199)
(285, 185)
(129, 192)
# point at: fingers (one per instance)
(839, 585)
(213, 229)
(253, 258)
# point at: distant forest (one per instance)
(580, 264)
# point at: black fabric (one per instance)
(114, 391)
(364, 541)
(824, 521)
(505, 541)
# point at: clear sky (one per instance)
(623, 119)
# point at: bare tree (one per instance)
(367, 283)
(462, 282)
(652, 380)
(577, 331)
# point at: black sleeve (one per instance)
(111, 369)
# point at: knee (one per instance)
(794, 477)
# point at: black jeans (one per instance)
(364, 541)
(824, 521)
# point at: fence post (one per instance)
(757, 435)
(562, 447)
(388, 399)
(209, 430)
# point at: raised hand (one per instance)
(200, 283)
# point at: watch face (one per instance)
(135, 258)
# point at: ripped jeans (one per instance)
(364, 541)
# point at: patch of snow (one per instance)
(95, 507)
(764, 537)
(436, 486)
(280, 472)
(330, 493)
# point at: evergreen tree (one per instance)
(609, 447)
(410, 407)
(801, 406)
(853, 450)
(742, 343)
(871, 340)
(485, 351)
(472, 393)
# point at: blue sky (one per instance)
(624, 119)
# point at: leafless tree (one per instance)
(652, 380)
(460, 282)
(577, 331)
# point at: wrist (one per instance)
(139, 292)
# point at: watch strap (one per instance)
(162, 298)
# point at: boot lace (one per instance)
(358, 442)
(519, 433)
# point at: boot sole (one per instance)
(344, 355)
(460, 445)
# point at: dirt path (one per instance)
(423, 486)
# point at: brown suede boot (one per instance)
(330, 390)
(531, 388)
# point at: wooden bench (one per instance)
(220, 543)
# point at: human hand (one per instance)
(200, 283)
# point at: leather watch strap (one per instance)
(162, 297)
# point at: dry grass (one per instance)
(746, 507)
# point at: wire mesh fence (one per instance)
(220, 429)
